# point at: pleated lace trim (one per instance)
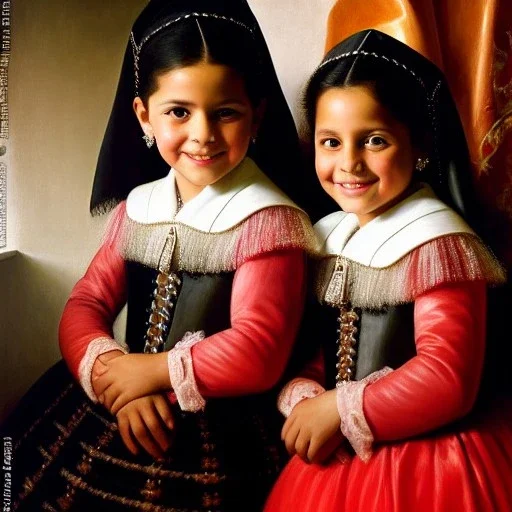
(181, 373)
(448, 259)
(95, 348)
(295, 391)
(349, 400)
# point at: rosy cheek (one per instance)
(323, 168)
(169, 137)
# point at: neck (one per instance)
(186, 190)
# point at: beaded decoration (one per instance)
(164, 298)
(164, 295)
(346, 344)
(347, 319)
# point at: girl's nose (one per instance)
(202, 130)
(350, 160)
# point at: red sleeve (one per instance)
(266, 306)
(440, 384)
(93, 305)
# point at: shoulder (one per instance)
(324, 227)
(244, 192)
(393, 240)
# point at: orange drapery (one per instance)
(472, 43)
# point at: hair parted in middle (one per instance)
(201, 39)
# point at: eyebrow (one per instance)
(332, 133)
(185, 103)
(325, 132)
(175, 102)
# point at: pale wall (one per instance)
(64, 68)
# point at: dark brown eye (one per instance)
(376, 142)
(226, 114)
(330, 143)
(178, 112)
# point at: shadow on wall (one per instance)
(34, 292)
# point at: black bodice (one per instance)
(384, 338)
(203, 303)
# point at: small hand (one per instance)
(100, 367)
(147, 422)
(312, 431)
(131, 376)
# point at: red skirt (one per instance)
(468, 469)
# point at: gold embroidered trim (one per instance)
(54, 449)
(448, 259)
(110, 424)
(211, 500)
(203, 478)
(48, 507)
(84, 467)
(501, 128)
(79, 483)
(271, 229)
(45, 454)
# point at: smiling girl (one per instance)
(386, 418)
(364, 157)
(210, 260)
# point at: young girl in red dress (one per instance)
(209, 257)
(399, 413)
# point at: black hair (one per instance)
(195, 40)
(399, 92)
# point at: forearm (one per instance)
(85, 329)
(266, 305)
(440, 384)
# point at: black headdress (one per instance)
(449, 171)
(125, 162)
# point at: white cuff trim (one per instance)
(181, 373)
(295, 391)
(95, 348)
(349, 399)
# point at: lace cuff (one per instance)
(295, 391)
(349, 399)
(181, 372)
(95, 348)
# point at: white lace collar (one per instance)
(419, 218)
(218, 207)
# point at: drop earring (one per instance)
(421, 164)
(149, 140)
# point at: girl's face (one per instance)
(202, 121)
(363, 156)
